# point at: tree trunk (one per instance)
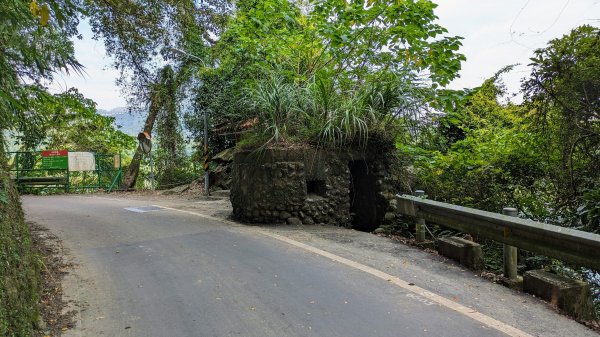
(133, 171)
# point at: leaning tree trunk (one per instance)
(133, 171)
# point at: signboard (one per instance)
(55, 160)
(55, 153)
(82, 161)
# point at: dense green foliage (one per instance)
(35, 42)
(483, 155)
(142, 35)
(327, 72)
(19, 266)
(70, 121)
(172, 164)
(540, 156)
(564, 95)
(345, 69)
(146, 40)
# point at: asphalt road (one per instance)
(161, 272)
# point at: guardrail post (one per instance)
(510, 252)
(420, 227)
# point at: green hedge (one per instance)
(19, 266)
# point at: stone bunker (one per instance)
(349, 188)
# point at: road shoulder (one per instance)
(431, 272)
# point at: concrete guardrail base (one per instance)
(468, 253)
(570, 295)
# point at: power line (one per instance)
(557, 17)
(510, 29)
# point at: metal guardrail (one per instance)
(570, 245)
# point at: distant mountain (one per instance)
(130, 123)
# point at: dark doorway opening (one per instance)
(363, 197)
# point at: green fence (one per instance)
(49, 170)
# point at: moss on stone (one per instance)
(19, 265)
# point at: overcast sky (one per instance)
(496, 33)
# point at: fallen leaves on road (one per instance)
(53, 321)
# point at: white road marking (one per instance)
(133, 209)
(424, 294)
(94, 197)
(144, 209)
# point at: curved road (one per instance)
(150, 271)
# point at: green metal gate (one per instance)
(38, 170)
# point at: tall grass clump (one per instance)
(324, 113)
